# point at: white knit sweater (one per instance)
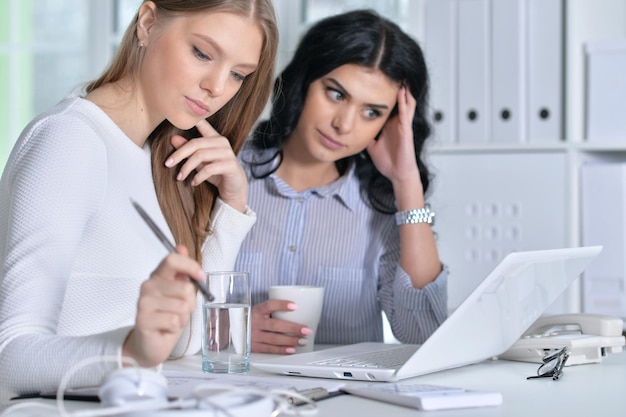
(74, 252)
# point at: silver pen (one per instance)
(169, 245)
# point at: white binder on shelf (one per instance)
(606, 91)
(441, 56)
(508, 88)
(474, 71)
(545, 70)
(603, 220)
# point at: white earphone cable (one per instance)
(78, 366)
(202, 394)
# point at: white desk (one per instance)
(583, 390)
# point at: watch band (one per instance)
(423, 215)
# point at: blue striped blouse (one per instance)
(328, 236)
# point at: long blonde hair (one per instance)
(188, 209)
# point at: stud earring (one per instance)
(141, 45)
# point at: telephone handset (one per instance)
(595, 324)
(588, 337)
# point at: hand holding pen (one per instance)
(168, 245)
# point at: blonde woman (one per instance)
(82, 275)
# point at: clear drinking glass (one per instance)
(226, 323)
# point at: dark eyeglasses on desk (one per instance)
(552, 366)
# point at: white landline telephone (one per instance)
(588, 338)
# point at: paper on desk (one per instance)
(181, 383)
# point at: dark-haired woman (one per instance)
(338, 181)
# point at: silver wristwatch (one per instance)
(423, 215)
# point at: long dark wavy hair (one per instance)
(360, 37)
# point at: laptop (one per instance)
(487, 323)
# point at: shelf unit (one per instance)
(562, 160)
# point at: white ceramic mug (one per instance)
(309, 301)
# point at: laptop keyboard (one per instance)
(388, 358)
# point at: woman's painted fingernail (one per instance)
(292, 306)
(290, 350)
(303, 341)
(179, 176)
(169, 162)
(306, 331)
